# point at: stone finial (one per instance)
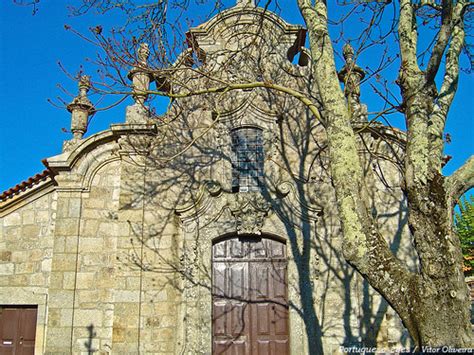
(143, 53)
(245, 3)
(141, 75)
(351, 75)
(348, 53)
(426, 2)
(81, 108)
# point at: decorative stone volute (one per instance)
(351, 75)
(81, 108)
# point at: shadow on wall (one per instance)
(187, 152)
(91, 335)
(311, 247)
(363, 313)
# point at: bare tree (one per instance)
(433, 301)
(439, 285)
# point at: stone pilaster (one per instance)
(63, 273)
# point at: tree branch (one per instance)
(407, 32)
(416, 100)
(242, 86)
(441, 42)
(461, 180)
(238, 86)
(448, 88)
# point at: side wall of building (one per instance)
(26, 253)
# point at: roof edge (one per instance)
(34, 184)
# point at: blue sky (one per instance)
(32, 46)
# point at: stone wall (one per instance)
(81, 291)
(26, 252)
(147, 301)
(118, 253)
(118, 257)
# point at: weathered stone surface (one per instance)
(7, 269)
(86, 317)
(5, 256)
(123, 243)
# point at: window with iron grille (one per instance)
(247, 162)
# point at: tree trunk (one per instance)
(434, 302)
(440, 315)
(439, 298)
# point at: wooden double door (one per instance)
(250, 308)
(17, 330)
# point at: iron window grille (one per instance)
(248, 157)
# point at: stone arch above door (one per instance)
(249, 296)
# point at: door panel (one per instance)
(269, 307)
(237, 280)
(237, 311)
(281, 347)
(27, 331)
(250, 311)
(230, 312)
(220, 326)
(17, 330)
(263, 347)
(9, 321)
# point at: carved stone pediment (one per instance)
(250, 211)
(245, 213)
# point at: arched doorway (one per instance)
(249, 296)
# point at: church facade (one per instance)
(210, 229)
